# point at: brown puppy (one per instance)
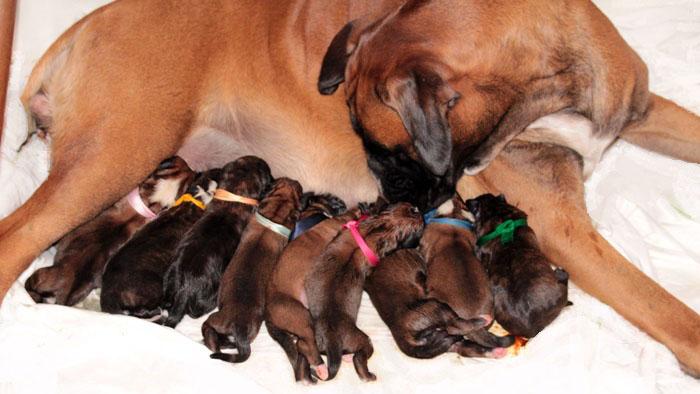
(244, 284)
(217, 99)
(528, 292)
(133, 280)
(286, 314)
(454, 275)
(334, 286)
(315, 209)
(81, 255)
(422, 327)
(192, 281)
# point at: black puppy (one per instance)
(528, 293)
(422, 327)
(192, 281)
(133, 280)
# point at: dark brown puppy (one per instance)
(454, 275)
(422, 327)
(334, 287)
(133, 280)
(244, 284)
(528, 292)
(81, 255)
(287, 317)
(192, 281)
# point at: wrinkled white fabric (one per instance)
(647, 205)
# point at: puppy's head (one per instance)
(398, 226)
(400, 97)
(489, 211)
(326, 204)
(283, 203)
(164, 185)
(248, 176)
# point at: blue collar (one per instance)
(430, 218)
(305, 225)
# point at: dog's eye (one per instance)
(452, 102)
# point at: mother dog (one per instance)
(433, 87)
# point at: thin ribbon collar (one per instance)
(306, 224)
(461, 223)
(366, 250)
(504, 230)
(276, 227)
(134, 199)
(187, 197)
(225, 195)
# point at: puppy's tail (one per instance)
(335, 356)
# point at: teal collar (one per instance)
(430, 218)
(276, 227)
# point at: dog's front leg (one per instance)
(545, 181)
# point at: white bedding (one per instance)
(646, 205)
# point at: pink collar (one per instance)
(366, 250)
(139, 206)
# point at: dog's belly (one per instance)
(318, 165)
(573, 131)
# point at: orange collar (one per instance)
(225, 195)
(188, 197)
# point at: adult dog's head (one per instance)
(400, 98)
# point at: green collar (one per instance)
(504, 230)
(278, 228)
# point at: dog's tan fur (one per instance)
(243, 75)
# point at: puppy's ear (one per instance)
(335, 60)
(502, 198)
(422, 102)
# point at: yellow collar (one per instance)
(188, 197)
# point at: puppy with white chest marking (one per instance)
(242, 294)
(133, 280)
(192, 281)
(81, 255)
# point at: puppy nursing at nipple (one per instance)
(192, 281)
(287, 318)
(454, 274)
(422, 327)
(334, 286)
(133, 280)
(81, 255)
(244, 283)
(528, 293)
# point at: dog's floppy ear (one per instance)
(335, 60)
(422, 102)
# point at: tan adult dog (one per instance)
(434, 87)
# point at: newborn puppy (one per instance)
(422, 327)
(315, 209)
(528, 293)
(334, 287)
(243, 286)
(133, 280)
(82, 254)
(192, 281)
(286, 315)
(454, 275)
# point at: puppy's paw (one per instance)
(498, 352)
(321, 371)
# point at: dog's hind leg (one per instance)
(532, 173)
(667, 129)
